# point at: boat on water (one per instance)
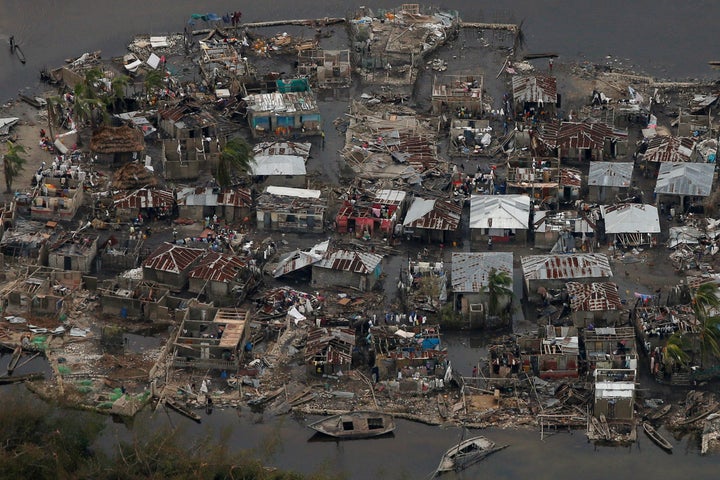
(466, 453)
(655, 436)
(17, 353)
(355, 425)
(181, 409)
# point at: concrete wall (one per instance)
(175, 280)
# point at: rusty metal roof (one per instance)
(347, 261)
(580, 135)
(235, 197)
(470, 271)
(172, 258)
(669, 149)
(144, 198)
(593, 297)
(218, 267)
(534, 89)
(570, 177)
(433, 215)
(566, 267)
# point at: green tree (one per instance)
(13, 163)
(675, 351)
(706, 306)
(118, 88)
(235, 157)
(498, 290)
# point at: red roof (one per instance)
(218, 267)
(172, 258)
(581, 135)
(144, 198)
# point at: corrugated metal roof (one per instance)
(172, 258)
(631, 218)
(278, 165)
(281, 102)
(433, 215)
(293, 192)
(218, 267)
(570, 177)
(610, 174)
(347, 261)
(300, 259)
(593, 297)
(669, 149)
(390, 197)
(144, 198)
(534, 88)
(469, 271)
(283, 148)
(685, 179)
(565, 267)
(581, 135)
(500, 211)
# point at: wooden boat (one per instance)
(657, 438)
(659, 412)
(37, 102)
(17, 353)
(182, 410)
(355, 425)
(710, 409)
(443, 407)
(6, 380)
(466, 453)
(19, 54)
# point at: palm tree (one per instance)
(53, 103)
(153, 81)
(675, 350)
(235, 157)
(498, 289)
(118, 87)
(13, 163)
(706, 305)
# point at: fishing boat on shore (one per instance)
(659, 412)
(466, 453)
(655, 436)
(37, 102)
(17, 353)
(182, 409)
(7, 380)
(355, 425)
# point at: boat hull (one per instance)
(355, 425)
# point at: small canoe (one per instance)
(466, 453)
(443, 407)
(182, 410)
(37, 102)
(17, 353)
(655, 436)
(659, 412)
(6, 380)
(355, 425)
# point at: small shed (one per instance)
(535, 92)
(632, 224)
(665, 148)
(224, 278)
(597, 304)
(459, 95)
(328, 351)
(291, 209)
(502, 217)
(554, 271)
(74, 252)
(684, 180)
(347, 268)
(281, 170)
(609, 180)
(432, 221)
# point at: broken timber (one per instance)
(511, 27)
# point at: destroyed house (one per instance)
(56, 200)
(292, 110)
(469, 278)
(41, 292)
(631, 224)
(170, 264)
(186, 158)
(328, 351)
(371, 212)
(117, 145)
(291, 209)
(220, 61)
(27, 239)
(326, 68)
(150, 202)
(187, 119)
(280, 170)
(75, 251)
(232, 204)
(298, 149)
(299, 260)
(426, 284)
(582, 140)
(211, 338)
(406, 349)
(142, 301)
(554, 271)
(223, 278)
(570, 184)
(596, 303)
(538, 178)
(120, 256)
(670, 149)
(460, 95)
(609, 181)
(7, 216)
(553, 353)
(558, 230)
(536, 92)
(502, 217)
(610, 347)
(346, 268)
(432, 221)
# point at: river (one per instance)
(665, 38)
